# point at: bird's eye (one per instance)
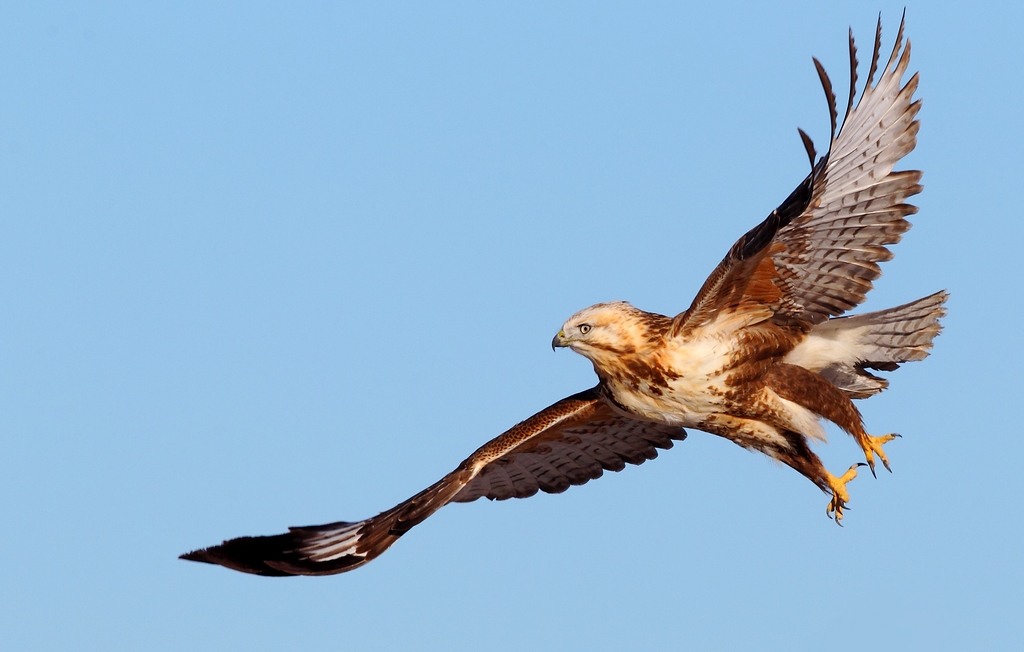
(584, 328)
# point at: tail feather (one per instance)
(900, 334)
(843, 349)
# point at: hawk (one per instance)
(760, 357)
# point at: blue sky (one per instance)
(289, 264)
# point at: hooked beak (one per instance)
(559, 341)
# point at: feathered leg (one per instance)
(811, 391)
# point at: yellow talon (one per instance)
(839, 494)
(873, 446)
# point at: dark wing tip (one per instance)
(898, 45)
(830, 96)
(197, 555)
(808, 146)
(244, 554)
(333, 547)
(874, 53)
(270, 556)
(853, 76)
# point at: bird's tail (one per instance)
(843, 349)
(334, 547)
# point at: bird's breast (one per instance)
(678, 384)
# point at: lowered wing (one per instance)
(569, 443)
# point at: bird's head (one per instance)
(606, 329)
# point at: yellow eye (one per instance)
(584, 328)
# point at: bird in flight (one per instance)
(760, 357)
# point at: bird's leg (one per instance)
(813, 392)
(839, 494)
(873, 446)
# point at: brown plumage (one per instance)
(569, 443)
(759, 357)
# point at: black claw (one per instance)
(872, 467)
(896, 434)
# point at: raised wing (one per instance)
(816, 255)
(568, 443)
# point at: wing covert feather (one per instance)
(569, 453)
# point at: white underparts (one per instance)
(827, 344)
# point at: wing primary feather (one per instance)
(808, 146)
(853, 76)
(897, 45)
(874, 56)
(826, 83)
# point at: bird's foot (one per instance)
(839, 494)
(873, 446)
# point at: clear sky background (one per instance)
(289, 264)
